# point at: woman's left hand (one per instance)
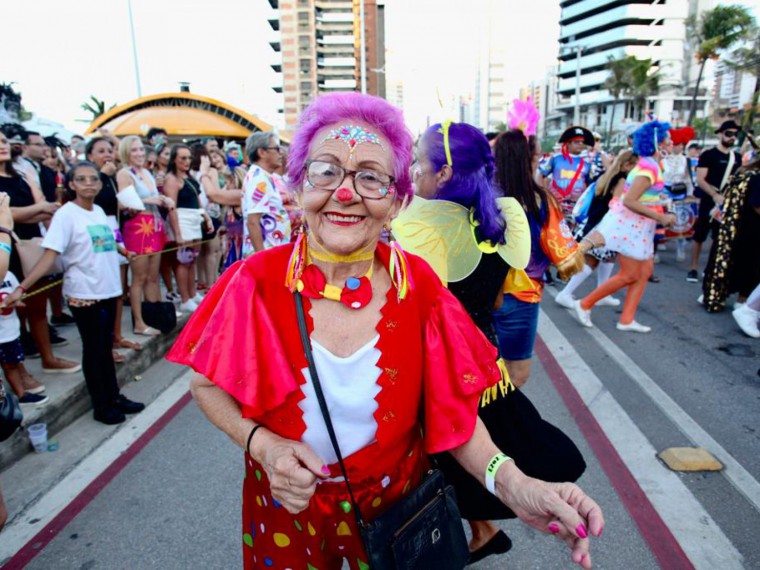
(562, 509)
(6, 218)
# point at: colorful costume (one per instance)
(260, 196)
(431, 355)
(734, 264)
(624, 230)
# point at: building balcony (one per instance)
(335, 17)
(276, 45)
(567, 86)
(328, 6)
(623, 36)
(276, 67)
(274, 23)
(338, 84)
(340, 40)
(275, 4)
(277, 89)
(336, 62)
(573, 10)
(621, 15)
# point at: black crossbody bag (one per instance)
(423, 530)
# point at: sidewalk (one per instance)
(67, 392)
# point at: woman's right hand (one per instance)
(292, 467)
(49, 207)
(109, 168)
(668, 220)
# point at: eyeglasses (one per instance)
(730, 134)
(86, 179)
(368, 183)
(275, 148)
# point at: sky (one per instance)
(83, 47)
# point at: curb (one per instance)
(64, 408)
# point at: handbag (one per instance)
(160, 315)
(11, 415)
(581, 208)
(30, 251)
(423, 530)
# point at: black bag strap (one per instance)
(322, 403)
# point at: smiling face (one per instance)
(137, 154)
(102, 152)
(341, 220)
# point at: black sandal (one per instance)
(499, 544)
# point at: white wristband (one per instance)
(493, 467)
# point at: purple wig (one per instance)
(383, 117)
(471, 184)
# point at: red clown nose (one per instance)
(344, 195)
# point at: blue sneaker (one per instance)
(29, 399)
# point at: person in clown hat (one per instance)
(569, 170)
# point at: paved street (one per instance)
(163, 490)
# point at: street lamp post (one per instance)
(577, 110)
(134, 49)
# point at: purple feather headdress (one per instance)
(524, 116)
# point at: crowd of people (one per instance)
(136, 221)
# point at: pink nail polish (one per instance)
(553, 528)
(325, 470)
(581, 530)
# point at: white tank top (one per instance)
(350, 386)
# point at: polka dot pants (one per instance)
(320, 537)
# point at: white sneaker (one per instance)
(737, 305)
(680, 256)
(701, 299)
(173, 297)
(608, 301)
(633, 326)
(584, 317)
(656, 258)
(564, 300)
(662, 247)
(188, 306)
(198, 298)
(746, 318)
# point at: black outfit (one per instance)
(95, 324)
(106, 198)
(48, 182)
(187, 197)
(539, 449)
(716, 163)
(734, 263)
(19, 195)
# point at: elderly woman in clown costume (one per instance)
(394, 350)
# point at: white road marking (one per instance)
(26, 526)
(737, 475)
(700, 537)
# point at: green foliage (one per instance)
(631, 77)
(95, 106)
(716, 31)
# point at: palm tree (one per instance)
(717, 30)
(95, 106)
(617, 83)
(747, 60)
(643, 82)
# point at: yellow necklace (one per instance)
(319, 252)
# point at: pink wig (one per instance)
(386, 119)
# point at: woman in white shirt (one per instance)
(80, 234)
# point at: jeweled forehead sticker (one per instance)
(353, 135)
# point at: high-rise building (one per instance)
(733, 87)
(320, 43)
(491, 99)
(593, 31)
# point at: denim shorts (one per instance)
(516, 323)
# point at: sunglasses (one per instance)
(730, 134)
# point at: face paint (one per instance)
(344, 195)
(353, 135)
